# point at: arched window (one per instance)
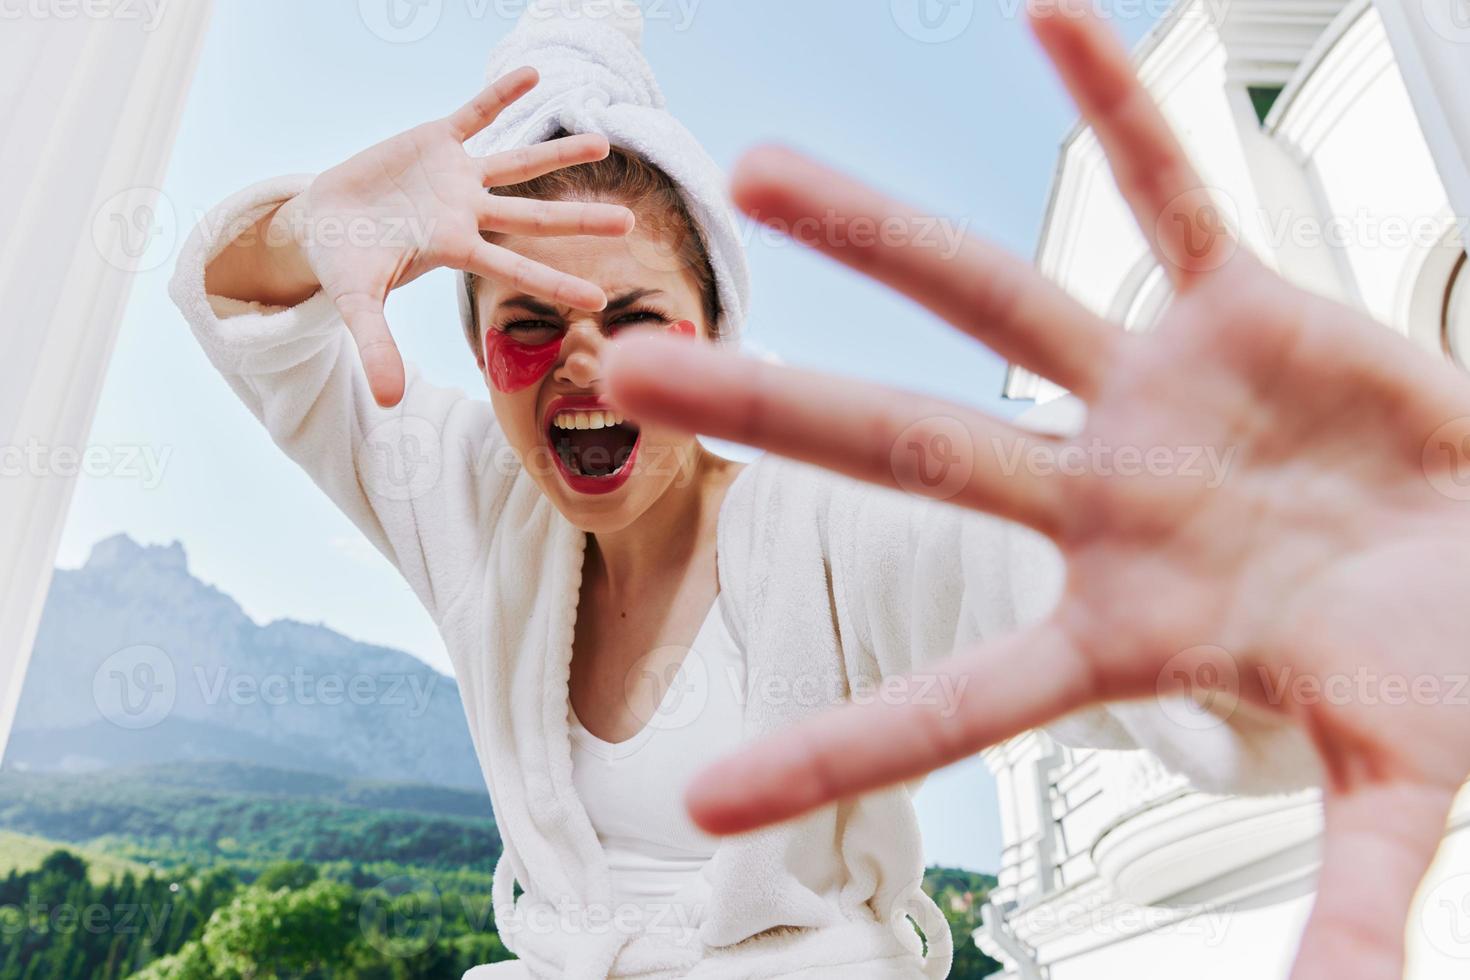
(1149, 303)
(1436, 300)
(1455, 328)
(1142, 297)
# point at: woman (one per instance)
(620, 604)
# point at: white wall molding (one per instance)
(1267, 39)
(1432, 41)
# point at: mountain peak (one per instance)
(139, 662)
(121, 551)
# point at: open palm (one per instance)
(419, 201)
(1265, 500)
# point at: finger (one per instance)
(381, 361)
(486, 107)
(992, 295)
(523, 216)
(1168, 198)
(1379, 842)
(1017, 683)
(532, 278)
(529, 162)
(896, 439)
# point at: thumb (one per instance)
(381, 361)
(1379, 842)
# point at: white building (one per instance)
(1330, 133)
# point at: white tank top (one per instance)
(633, 790)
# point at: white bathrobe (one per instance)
(825, 584)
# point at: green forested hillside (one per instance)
(241, 777)
(292, 922)
(173, 816)
(224, 872)
(22, 853)
(960, 896)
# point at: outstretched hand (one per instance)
(419, 201)
(1330, 554)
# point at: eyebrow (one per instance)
(628, 299)
(537, 307)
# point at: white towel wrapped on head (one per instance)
(594, 79)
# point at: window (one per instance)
(1455, 323)
(1149, 302)
(1143, 296)
(1263, 97)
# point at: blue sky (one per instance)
(956, 112)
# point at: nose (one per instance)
(581, 356)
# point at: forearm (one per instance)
(296, 370)
(265, 264)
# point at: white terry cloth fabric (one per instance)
(595, 80)
(507, 970)
(633, 790)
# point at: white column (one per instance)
(90, 99)
(1431, 40)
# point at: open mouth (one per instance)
(594, 446)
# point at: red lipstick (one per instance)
(579, 482)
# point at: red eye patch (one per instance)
(514, 366)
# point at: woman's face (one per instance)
(542, 365)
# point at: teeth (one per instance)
(587, 420)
